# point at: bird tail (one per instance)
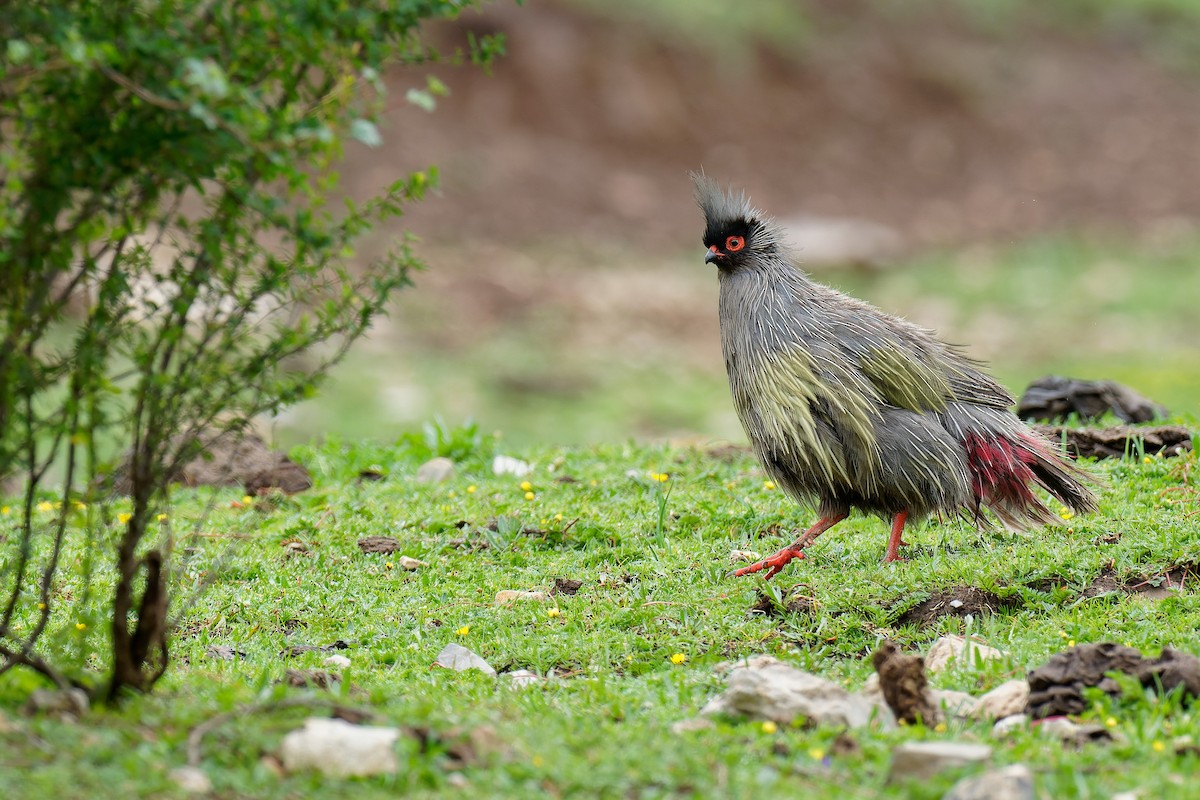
(1003, 468)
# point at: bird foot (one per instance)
(773, 564)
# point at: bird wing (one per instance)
(907, 366)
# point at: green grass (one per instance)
(653, 558)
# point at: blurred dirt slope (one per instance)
(918, 121)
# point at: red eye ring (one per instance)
(734, 243)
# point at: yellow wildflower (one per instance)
(41, 606)
(1066, 513)
(1111, 722)
(472, 489)
(161, 518)
(464, 630)
(1070, 643)
(45, 505)
(530, 495)
(678, 658)
(816, 753)
(526, 486)
(768, 485)
(5, 510)
(81, 626)
(558, 517)
(661, 477)
(940, 727)
(1147, 460)
(1158, 746)
(388, 565)
(124, 517)
(554, 612)
(247, 500)
(769, 727)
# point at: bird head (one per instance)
(734, 229)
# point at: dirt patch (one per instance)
(301, 649)
(228, 458)
(567, 586)
(794, 602)
(1055, 398)
(1120, 441)
(905, 689)
(922, 122)
(378, 544)
(1057, 687)
(1150, 587)
(958, 601)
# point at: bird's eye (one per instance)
(734, 243)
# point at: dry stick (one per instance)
(197, 734)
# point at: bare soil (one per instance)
(921, 122)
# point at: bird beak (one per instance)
(712, 255)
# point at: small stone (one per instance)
(1014, 782)
(507, 597)
(921, 760)
(409, 563)
(1005, 700)
(337, 748)
(958, 705)
(693, 724)
(744, 555)
(507, 465)
(340, 662)
(192, 780)
(521, 678)
(1009, 724)
(435, 470)
(457, 780)
(958, 651)
(458, 658)
(767, 689)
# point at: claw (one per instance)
(773, 564)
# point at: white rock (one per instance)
(521, 678)
(958, 651)
(764, 688)
(192, 780)
(1014, 782)
(506, 597)
(338, 748)
(436, 470)
(920, 760)
(955, 704)
(458, 658)
(1005, 700)
(341, 662)
(409, 563)
(507, 465)
(1009, 724)
(744, 555)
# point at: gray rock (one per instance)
(1009, 724)
(764, 688)
(955, 704)
(435, 470)
(1014, 782)
(192, 780)
(958, 651)
(920, 760)
(458, 658)
(340, 749)
(520, 678)
(1005, 700)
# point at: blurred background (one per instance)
(1024, 179)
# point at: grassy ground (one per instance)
(648, 530)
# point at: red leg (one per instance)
(773, 564)
(894, 541)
